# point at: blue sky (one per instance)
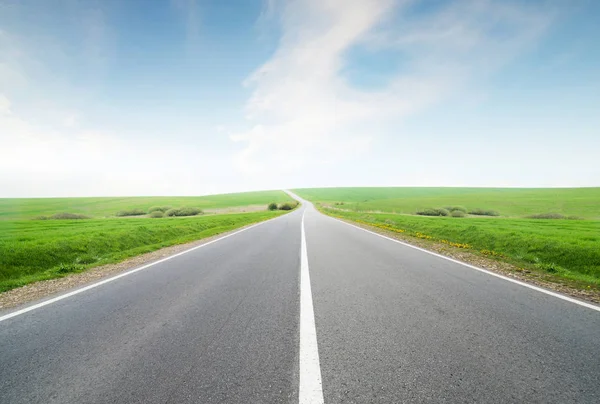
(188, 97)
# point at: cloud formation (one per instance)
(304, 110)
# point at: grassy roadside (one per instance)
(561, 251)
(32, 250)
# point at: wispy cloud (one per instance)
(304, 110)
(190, 12)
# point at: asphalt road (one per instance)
(222, 324)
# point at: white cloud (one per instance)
(304, 111)
(38, 159)
(190, 10)
(4, 105)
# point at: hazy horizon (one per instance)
(282, 189)
(189, 98)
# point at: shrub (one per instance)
(185, 211)
(458, 213)
(162, 209)
(130, 212)
(456, 208)
(272, 206)
(68, 216)
(433, 212)
(484, 212)
(288, 205)
(157, 214)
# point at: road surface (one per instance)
(277, 314)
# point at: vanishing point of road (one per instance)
(302, 309)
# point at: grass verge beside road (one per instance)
(562, 249)
(530, 232)
(34, 250)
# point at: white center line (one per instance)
(310, 389)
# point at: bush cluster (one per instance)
(433, 212)
(130, 212)
(484, 212)
(156, 214)
(288, 205)
(272, 206)
(456, 211)
(456, 208)
(62, 216)
(162, 209)
(185, 211)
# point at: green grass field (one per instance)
(32, 250)
(513, 202)
(569, 249)
(28, 208)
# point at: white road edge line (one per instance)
(506, 278)
(114, 278)
(310, 389)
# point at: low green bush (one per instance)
(130, 212)
(288, 205)
(272, 206)
(456, 208)
(162, 209)
(484, 212)
(156, 214)
(458, 213)
(185, 211)
(433, 212)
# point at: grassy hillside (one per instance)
(32, 250)
(28, 208)
(514, 202)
